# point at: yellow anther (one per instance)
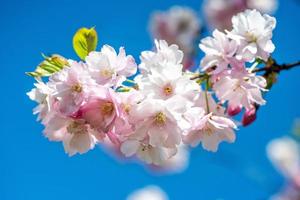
(126, 108)
(77, 88)
(160, 119)
(106, 73)
(251, 37)
(168, 90)
(107, 108)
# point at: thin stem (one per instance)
(198, 76)
(206, 96)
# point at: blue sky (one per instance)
(31, 168)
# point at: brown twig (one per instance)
(274, 67)
(271, 66)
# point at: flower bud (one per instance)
(234, 110)
(249, 116)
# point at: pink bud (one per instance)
(234, 110)
(249, 116)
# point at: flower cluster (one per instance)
(163, 107)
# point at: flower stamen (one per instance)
(106, 73)
(76, 88)
(168, 90)
(160, 119)
(107, 108)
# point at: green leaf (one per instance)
(49, 66)
(84, 41)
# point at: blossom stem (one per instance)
(199, 76)
(206, 96)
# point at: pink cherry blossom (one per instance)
(178, 25)
(209, 126)
(43, 95)
(72, 86)
(166, 82)
(210, 131)
(160, 120)
(253, 33)
(164, 54)
(109, 68)
(219, 50)
(123, 124)
(75, 134)
(156, 155)
(219, 12)
(240, 88)
(101, 110)
(164, 107)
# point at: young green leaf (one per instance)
(84, 41)
(49, 66)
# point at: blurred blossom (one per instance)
(288, 193)
(284, 154)
(265, 6)
(176, 164)
(220, 12)
(179, 25)
(150, 192)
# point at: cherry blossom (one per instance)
(146, 152)
(43, 95)
(109, 68)
(72, 86)
(219, 50)
(166, 82)
(75, 134)
(285, 155)
(219, 12)
(164, 54)
(240, 88)
(150, 192)
(210, 127)
(178, 25)
(156, 114)
(101, 110)
(253, 33)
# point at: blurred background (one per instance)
(33, 168)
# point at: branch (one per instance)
(274, 67)
(271, 66)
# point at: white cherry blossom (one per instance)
(164, 54)
(109, 68)
(253, 33)
(241, 88)
(219, 50)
